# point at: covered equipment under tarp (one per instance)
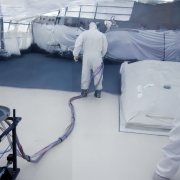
(55, 37)
(150, 96)
(17, 37)
(135, 44)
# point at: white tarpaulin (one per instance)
(11, 43)
(24, 40)
(150, 94)
(22, 9)
(122, 44)
(48, 36)
(135, 44)
(17, 38)
(172, 46)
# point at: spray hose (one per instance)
(37, 156)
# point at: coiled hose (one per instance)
(37, 156)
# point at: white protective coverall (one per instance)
(108, 25)
(94, 45)
(168, 166)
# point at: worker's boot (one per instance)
(97, 94)
(84, 92)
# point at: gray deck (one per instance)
(39, 88)
(41, 72)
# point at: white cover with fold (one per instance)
(25, 40)
(11, 43)
(23, 9)
(47, 36)
(144, 100)
(172, 46)
(135, 44)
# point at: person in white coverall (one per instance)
(168, 166)
(94, 45)
(108, 25)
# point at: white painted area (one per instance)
(94, 151)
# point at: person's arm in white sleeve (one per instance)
(78, 45)
(104, 45)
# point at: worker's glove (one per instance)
(76, 58)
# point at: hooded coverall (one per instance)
(94, 45)
(168, 166)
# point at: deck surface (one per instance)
(39, 88)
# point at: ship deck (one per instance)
(39, 88)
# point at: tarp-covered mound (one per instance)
(150, 93)
(55, 37)
(16, 41)
(123, 44)
(135, 44)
